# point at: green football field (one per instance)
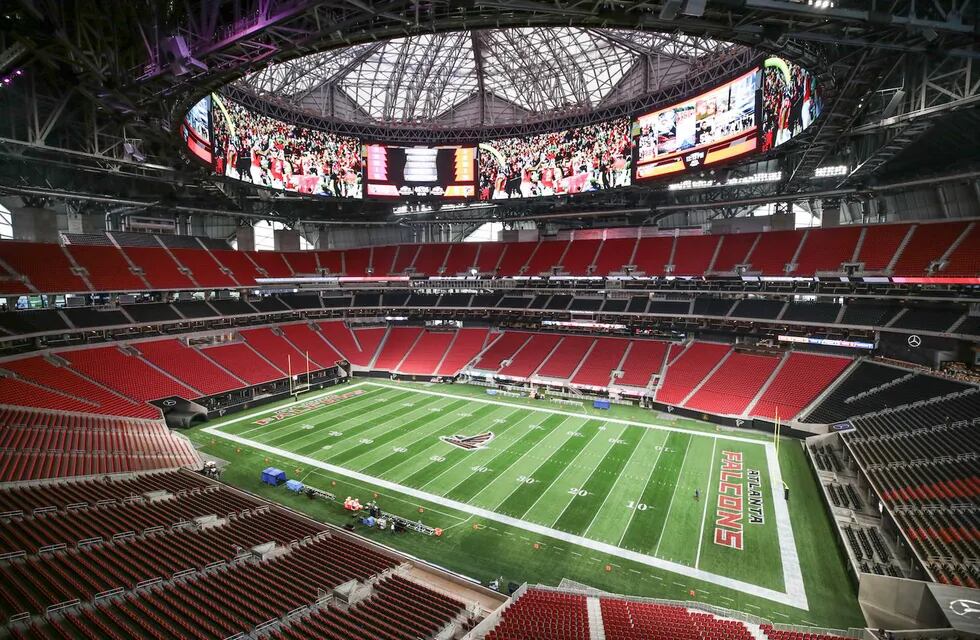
(532, 490)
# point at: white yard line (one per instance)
(592, 473)
(673, 497)
(557, 478)
(795, 597)
(643, 488)
(612, 489)
(585, 416)
(706, 493)
(510, 466)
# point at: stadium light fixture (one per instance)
(755, 178)
(822, 4)
(832, 171)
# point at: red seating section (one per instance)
(225, 601)
(554, 615)
(405, 257)
(243, 362)
(126, 373)
(271, 262)
(734, 251)
(603, 359)
(928, 243)
(106, 267)
(614, 254)
(38, 445)
(357, 346)
(825, 249)
(309, 341)
(467, 344)
(188, 365)
(689, 370)
(531, 356)
(821, 250)
(564, 360)
(383, 260)
(965, 259)
(775, 634)
(461, 258)
(240, 264)
(732, 387)
(800, 380)
(581, 255)
(42, 372)
(45, 265)
(425, 355)
(515, 257)
(430, 259)
(204, 269)
(652, 255)
(504, 347)
(332, 261)
(302, 262)
(489, 256)
(645, 358)
(693, 254)
(395, 347)
(626, 620)
(544, 615)
(276, 349)
(774, 251)
(159, 269)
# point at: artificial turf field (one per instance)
(602, 497)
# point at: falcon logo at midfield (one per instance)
(469, 443)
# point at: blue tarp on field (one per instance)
(600, 404)
(273, 476)
(294, 485)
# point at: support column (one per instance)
(245, 238)
(285, 240)
(34, 224)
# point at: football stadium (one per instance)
(490, 320)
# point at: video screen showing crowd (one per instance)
(591, 158)
(790, 101)
(279, 155)
(760, 109)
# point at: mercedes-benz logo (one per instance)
(915, 341)
(169, 402)
(964, 607)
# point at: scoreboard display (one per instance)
(714, 127)
(421, 171)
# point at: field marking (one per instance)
(559, 476)
(586, 416)
(524, 455)
(643, 488)
(288, 422)
(354, 419)
(795, 594)
(333, 391)
(795, 597)
(707, 492)
(673, 496)
(595, 469)
(466, 458)
(612, 489)
(790, 558)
